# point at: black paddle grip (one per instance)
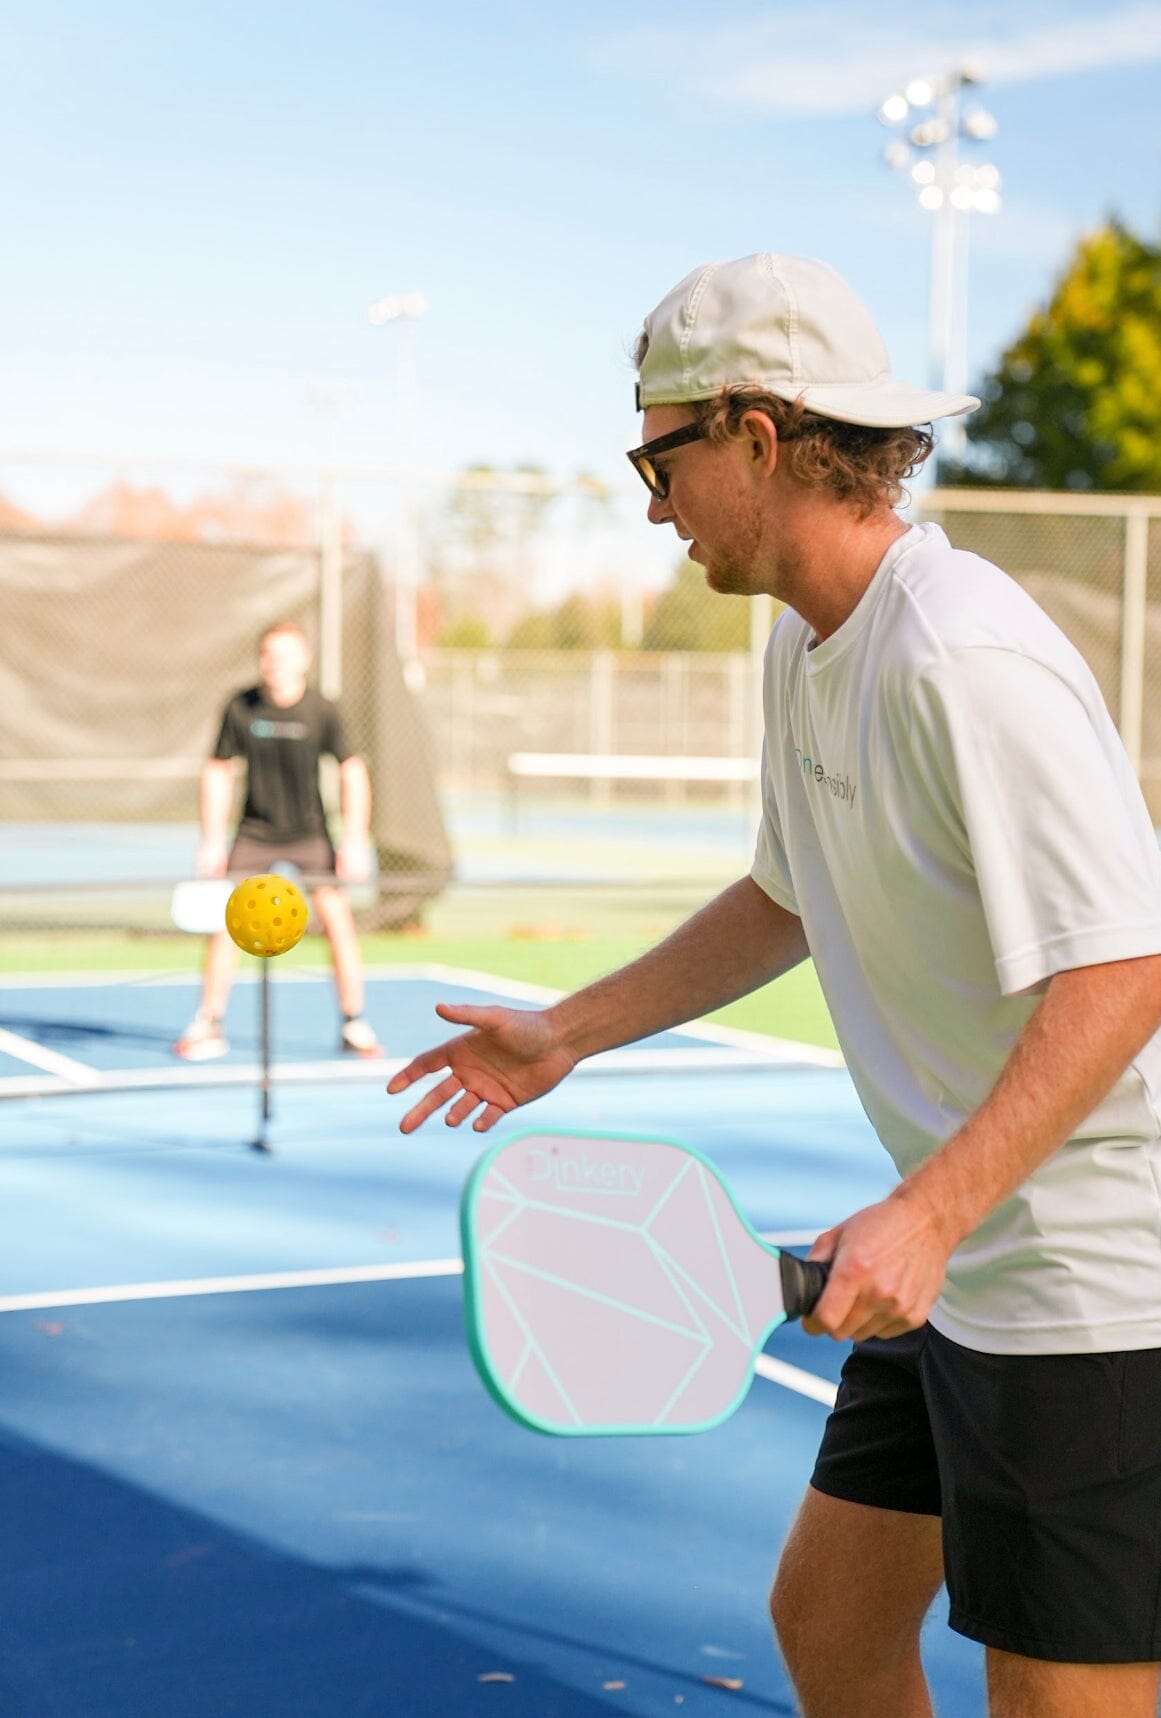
(803, 1281)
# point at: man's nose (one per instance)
(660, 512)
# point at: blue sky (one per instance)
(201, 202)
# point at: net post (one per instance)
(259, 1142)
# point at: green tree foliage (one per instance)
(579, 623)
(1075, 402)
(687, 615)
(465, 632)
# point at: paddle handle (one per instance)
(803, 1281)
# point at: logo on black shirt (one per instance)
(264, 730)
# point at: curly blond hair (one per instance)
(857, 463)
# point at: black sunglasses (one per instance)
(644, 458)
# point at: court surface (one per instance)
(248, 1466)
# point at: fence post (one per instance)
(601, 718)
(330, 587)
(1134, 593)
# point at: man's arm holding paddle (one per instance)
(888, 1260)
(738, 942)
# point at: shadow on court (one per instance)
(115, 1604)
(76, 1034)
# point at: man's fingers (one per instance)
(429, 1103)
(825, 1245)
(474, 1014)
(489, 1117)
(430, 1062)
(462, 1108)
(832, 1309)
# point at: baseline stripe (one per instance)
(794, 1378)
(228, 1285)
(77, 1080)
(775, 1371)
(51, 1061)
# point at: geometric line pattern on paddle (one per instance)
(613, 1285)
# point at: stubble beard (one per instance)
(732, 572)
(726, 575)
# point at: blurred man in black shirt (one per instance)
(278, 730)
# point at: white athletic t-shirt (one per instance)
(950, 811)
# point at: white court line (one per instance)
(228, 1285)
(375, 1070)
(794, 1378)
(776, 1371)
(81, 1081)
(51, 1061)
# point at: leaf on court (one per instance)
(496, 1676)
(48, 1327)
(733, 1683)
(612, 1685)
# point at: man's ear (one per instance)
(761, 440)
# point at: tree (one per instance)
(1075, 402)
(483, 544)
(687, 615)
(467, 632)
(580, 622)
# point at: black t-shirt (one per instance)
(281, 747)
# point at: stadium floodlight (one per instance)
(930, 108)
(395, 306)
(979, 125)
(405, 307)
(894, 109)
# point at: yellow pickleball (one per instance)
(266, 915)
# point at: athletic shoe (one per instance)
(359, 1038)
(202, 1041)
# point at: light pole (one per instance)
(331, 400)
(933, 122)
(407, 308)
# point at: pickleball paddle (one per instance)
(613, 1285)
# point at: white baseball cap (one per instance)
(790, 325)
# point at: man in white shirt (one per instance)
(952, 831)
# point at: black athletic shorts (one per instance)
(313, 855)
(1046, 1471)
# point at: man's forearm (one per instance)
(738, 942)
(355, 796)
(1090, 1024)
(217, 798)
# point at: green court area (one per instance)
(554, 938)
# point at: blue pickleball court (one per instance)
(248, 1466)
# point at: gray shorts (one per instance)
(313, 856)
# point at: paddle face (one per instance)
(199, 904)
(613, 1286)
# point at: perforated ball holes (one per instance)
(266, 915)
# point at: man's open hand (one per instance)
(508, 1057)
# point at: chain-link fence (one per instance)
(1093, 562)
(498, 644)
